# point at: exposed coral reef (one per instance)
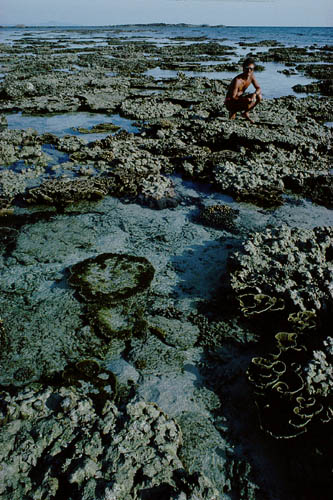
(60, 192)
(54, 443)
(293, 391)
(287, 263)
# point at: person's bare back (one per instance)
(235, 99)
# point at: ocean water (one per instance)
(289, 36)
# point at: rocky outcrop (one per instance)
(54, 442)
(319, 371)
(62, 192)
(287, 263)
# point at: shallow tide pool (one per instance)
(63, 124)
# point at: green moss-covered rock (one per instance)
(118, 320)
(110, 278)
(115, 288)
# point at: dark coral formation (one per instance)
(115, 288)
(293, 387)
(219, 216)
(254, 304)
(89, 376)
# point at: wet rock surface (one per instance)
(181, 385)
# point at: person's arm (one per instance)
(256, 86)
(235, 89)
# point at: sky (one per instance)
(212, 12)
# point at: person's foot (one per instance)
(232, 116)
(247, 117)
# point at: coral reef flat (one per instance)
(166, 274)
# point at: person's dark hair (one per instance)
(249, 61)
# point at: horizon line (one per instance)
(206, 25)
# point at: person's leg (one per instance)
(243, 105)
(237, 105)
(251, 105)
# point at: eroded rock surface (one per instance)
(55, 443)
(288, 263)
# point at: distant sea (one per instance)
(290, 36)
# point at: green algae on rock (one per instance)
(110, 278)
(121, 320)
(115, 287)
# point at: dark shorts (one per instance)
(237, 104)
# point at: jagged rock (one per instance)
(319, 372)
(101, 127)
(60, 192)
(293, 55)
(157, 191)
(55, 442)
(323, 87)
(91, 379)
(287, 263)
(144, 109)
